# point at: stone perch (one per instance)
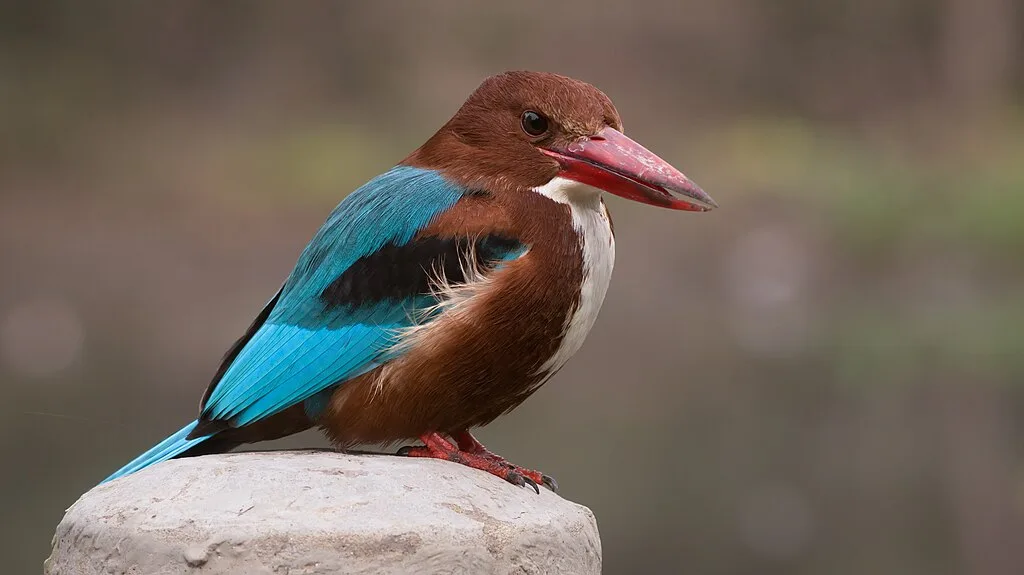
(320, 512)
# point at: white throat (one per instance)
(590, 220)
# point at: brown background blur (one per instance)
(823, 376)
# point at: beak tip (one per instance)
(703, 199)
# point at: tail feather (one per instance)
(171, 447)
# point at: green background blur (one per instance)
(824, 376)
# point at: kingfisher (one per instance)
(444, 292)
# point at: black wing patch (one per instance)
(395, 273)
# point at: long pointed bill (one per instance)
(616, 164)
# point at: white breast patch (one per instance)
(590, 220)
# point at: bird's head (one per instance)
(520, 130)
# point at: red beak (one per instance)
(614, 163)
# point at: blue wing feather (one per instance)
(306, 346)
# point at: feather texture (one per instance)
(174, 445)
(308, 342)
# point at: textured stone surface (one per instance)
(321, 512)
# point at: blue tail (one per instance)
(171, 447)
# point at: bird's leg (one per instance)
(437, 447)
(469, 444)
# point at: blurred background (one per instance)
(823, 376)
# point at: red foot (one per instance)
(472, 453)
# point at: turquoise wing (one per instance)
(311, 341)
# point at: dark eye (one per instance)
(534, 124)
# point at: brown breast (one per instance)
(481, 358)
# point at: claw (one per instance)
(515, 478)
(518, 479)
(530, 482)
(550, 483)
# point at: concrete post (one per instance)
(320, 512)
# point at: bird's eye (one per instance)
(534, 124)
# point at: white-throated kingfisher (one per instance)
(445, 291)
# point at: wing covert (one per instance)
(363, 277)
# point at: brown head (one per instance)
(519, 130)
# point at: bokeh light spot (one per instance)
(40, 337)
(776, 522)
(766, 278)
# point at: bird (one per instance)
(445, 291)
